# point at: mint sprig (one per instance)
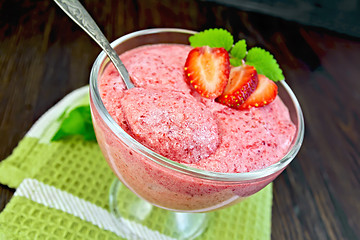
(214, 37)
(76, 122)
(237, 53)
(263, 61)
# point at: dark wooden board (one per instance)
(44, 56)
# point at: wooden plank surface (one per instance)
(44, 56)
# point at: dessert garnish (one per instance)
(246, 84)
(264, 93)
(241, 84)
(207, 70)
(75, 121)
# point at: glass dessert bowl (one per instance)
(184, 191)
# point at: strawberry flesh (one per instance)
(264, 93)
(207, 70)
(242, 83)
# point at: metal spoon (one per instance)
(78, 14)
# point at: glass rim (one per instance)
(157, 158)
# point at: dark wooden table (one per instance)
(44, 56)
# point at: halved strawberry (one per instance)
(207, 70)
(264, 93)
(242, 82)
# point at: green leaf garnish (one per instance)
(213, 38)
(239, 49)
(237, 53)
(235, 62)
(76, 122)
(264, 63)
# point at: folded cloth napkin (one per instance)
(62, 190)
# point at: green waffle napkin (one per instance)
(62, 190)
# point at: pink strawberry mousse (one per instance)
(172, 122)
(165, 115)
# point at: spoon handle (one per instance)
(78, 14)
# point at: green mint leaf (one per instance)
(239, 49)
(264, 63)
(237, 53)
(76, 122)
(235, 62)
(213, 38)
